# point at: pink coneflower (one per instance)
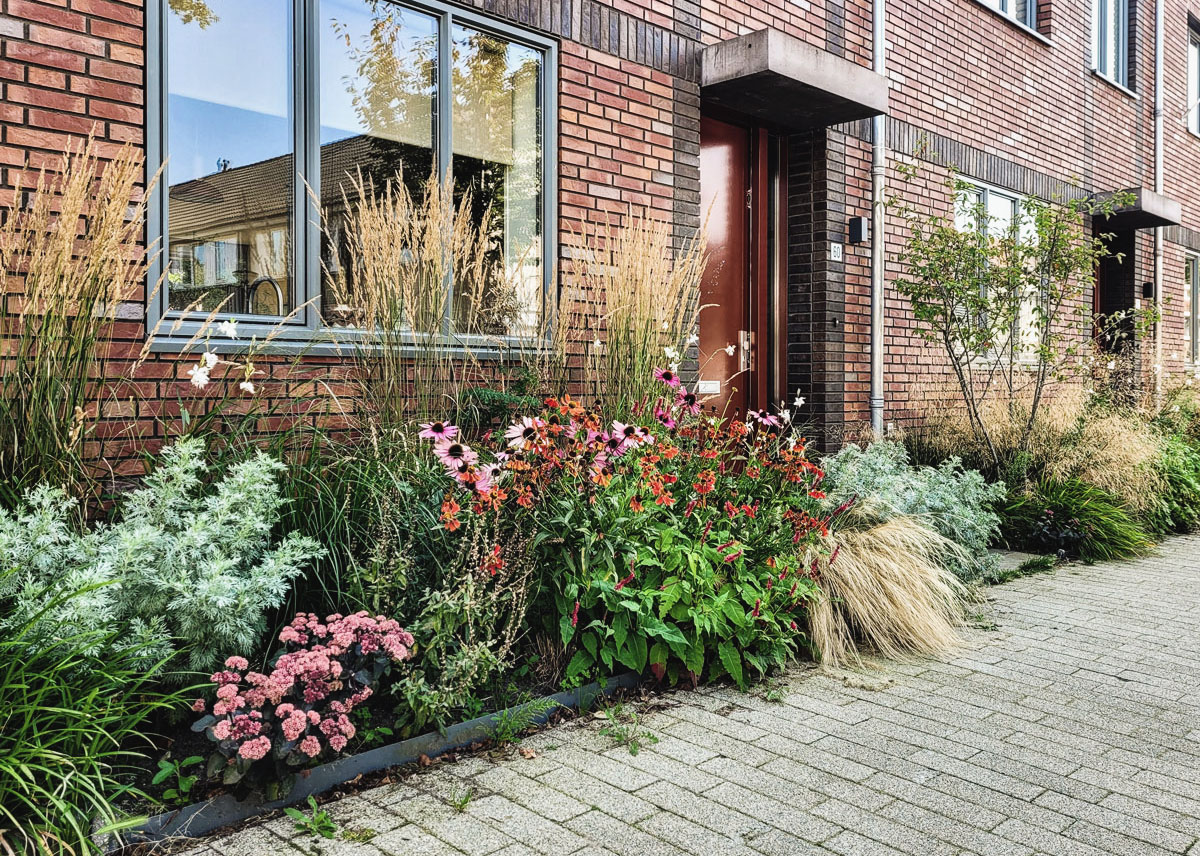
(438, 431)
(762, 417)
(667, 420)
(667, 376)
(629, 433)
(687, 401)
(523, 434)
(454, 454)
(615, 445)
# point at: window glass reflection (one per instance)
(496, 115)
(231, 166)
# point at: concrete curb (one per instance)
(204, 818)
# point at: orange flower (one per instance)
(665, 499)
(450, 510)
(636, 504)
(525, 497)
(705, 482)
(493, 563)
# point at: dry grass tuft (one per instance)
(70, 255)
(1111, 448)
(651, 296)
(888, 591)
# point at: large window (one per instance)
(1193, 80)
(1110, 39)
(266, 111)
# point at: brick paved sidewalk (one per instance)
(1073, 729)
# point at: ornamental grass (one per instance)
(887, 590)
(70, 255)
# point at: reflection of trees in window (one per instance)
(497, 153)
(393, 92)
(194, 11)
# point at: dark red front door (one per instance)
(725, 346)
(741, 328)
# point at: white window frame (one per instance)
(988, 192)
(1192, 117)
(1110, 48)
(1191, 307)
(1007, 8)
(174, 330)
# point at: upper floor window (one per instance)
(1110, 39)
(1193, 80)
(1021, 11)
(268, 111)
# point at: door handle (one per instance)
(744, 344)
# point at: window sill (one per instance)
(325, 344)
(1120, 87)
(1020, 25)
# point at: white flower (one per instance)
(671, 353)
(664, 323)
(799, 402)
(228, 329)
(199, 376)
(247, 387)
(596, 344)
(674, 367)
(209, 360)
(730, 348)
(1112, 364)
(693, 339)
(785, 415)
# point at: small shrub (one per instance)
(1176, 507)
(888, 587)
(266, 726)
(183, 562)
(1072, 518)
(952, 500)
(317, 823)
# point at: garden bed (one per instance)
(204, 818)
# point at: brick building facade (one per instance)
(651, 101)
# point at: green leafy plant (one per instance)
(316, 823)
(184, 782)
(73, 714)
(954, 501)
(515, 721)
(625, 729)
(1176, 507)
(182, 562)
(358, 836)
(1072, 518)
(459, 800)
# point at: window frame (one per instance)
(1017, 200)
(1191, 118)
(1191, 271)
(1101, 15)
(1004, 7)
(174, 329)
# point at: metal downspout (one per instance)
(878, 241)
(1159, 38)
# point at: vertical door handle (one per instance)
(744, 345)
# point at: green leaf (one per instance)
(566, 629)
(591, 643)
(165, 770)
(620, 631)
(580, 663)
(659, 654)
(732, 661)
(634, 655)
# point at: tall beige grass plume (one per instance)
(887, 591)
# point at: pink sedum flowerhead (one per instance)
(238, 663)
(310, 746)
(253, 750)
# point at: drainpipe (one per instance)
(1159, 28)
(878, 167)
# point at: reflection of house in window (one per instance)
(229, 239)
